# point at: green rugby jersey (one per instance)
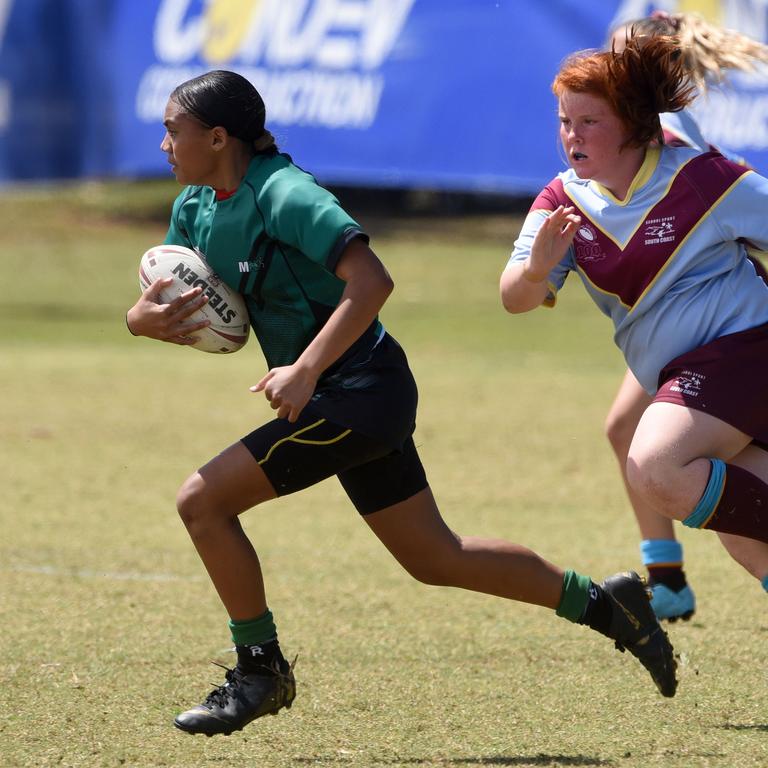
(276, 240)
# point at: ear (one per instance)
(219, 138)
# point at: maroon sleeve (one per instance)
(550, 197)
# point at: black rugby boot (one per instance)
(243, 697)
(634, 626)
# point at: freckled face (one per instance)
(590, 132)
(592, 135)
(189, 146)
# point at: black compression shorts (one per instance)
(296, 456)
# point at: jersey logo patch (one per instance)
(659, 230)
(688, 383)
(587, 246)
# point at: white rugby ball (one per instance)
(225, 309)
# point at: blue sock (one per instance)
(764, 582)
(711, 497)
(667, 552)
(664, 560)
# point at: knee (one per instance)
(435, 568)
(652, 479)
(194, 507)
(431, 574)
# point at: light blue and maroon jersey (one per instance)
(668, 264)
(681, 130)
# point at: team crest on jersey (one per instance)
(688, 383)
(586, 245)
(659, 230)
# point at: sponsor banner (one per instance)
(411, 93)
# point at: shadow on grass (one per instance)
(520, 760)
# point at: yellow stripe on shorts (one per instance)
(294, 438)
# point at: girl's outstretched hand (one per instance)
(551, 242)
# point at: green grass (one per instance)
(108, 620)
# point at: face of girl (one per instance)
(592, 135)
(190, 147)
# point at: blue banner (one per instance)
(396, 93)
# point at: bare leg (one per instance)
(262, 681)
(209, 503)
(620, 425)
(668, 463)
(625, 414)
(415, 533)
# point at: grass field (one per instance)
(108, 621)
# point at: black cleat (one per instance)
(244, 697)
(634, 626)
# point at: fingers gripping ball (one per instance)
(229, 326)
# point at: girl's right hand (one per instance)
(167, 322)
(551, 243)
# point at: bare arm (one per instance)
(368, 285)
(524, 285)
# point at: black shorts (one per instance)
(358, 426)
(373, 393)
(296, 456)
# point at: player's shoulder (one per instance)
(191, 196)
(554, 194)
(276, 169)
(703, 168)
(190, 201)
(278, 182)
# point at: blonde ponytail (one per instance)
(710, 51)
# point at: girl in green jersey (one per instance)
(344, 397)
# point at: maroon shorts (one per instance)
(727, 378)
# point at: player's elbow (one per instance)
(386, 285)
(512, 299)
(509, 302)
(519, 295)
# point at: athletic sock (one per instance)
(584, 602)
(764, 582)
(259, 658)
(255, 642)
(663, 558)
(734, 501)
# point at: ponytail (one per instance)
(709, 51)
(265, 143)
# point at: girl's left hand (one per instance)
(288, 390)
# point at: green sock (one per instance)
(256, 631)
(574, 597)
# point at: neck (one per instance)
(621, 178)
(232, 170)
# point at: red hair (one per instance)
(648, 77)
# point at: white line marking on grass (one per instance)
(86, 573)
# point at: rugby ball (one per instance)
(225, 309)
